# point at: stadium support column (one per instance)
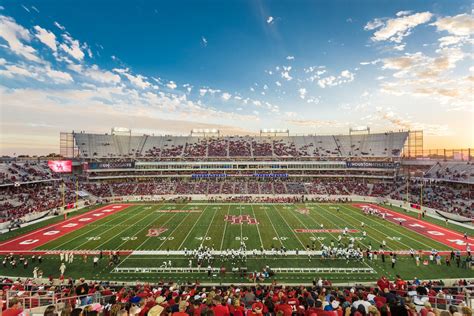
(421, 192)
(62, 193)
(77, 192)
(408, 175)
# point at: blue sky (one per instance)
(166, 67)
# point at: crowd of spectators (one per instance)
(386, 297)
(387, 144)
(13, 172)
(458, 171)
(442, 196)
(17, 201)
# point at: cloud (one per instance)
(202, 92)
(13, 34)
(347, 74)
(226, 96)
(59, 76)
(403, 13)
(394, 30)
(302, 92)
(59, 26)
(97, 74)
(86, 110)
(12, 71)
(313, 100)
(26, 9)
(419, 65)
(72, 47)
(290, 57)
(171, 85)
(460, 25)
(204, 41)
(331, 81)
(452, 40)
(314, 123)
(278, 83)
(138, 80)
(270, 20)
(42, 73)
(46, 37)
(419, 75)
(373, 62)
(405, 123)
(285, 74)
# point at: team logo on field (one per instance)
(178, 211)
(305, 230)
(154, 232)
(241, 219)
(303, 211)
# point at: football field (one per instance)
(153, 241)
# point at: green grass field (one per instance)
(206, 225)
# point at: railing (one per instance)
(465, 154)
(216, 270)
(33, 300)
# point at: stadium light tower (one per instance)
(274, 132)
(359, 129)
(206, 132)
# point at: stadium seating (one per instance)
(14, 172)
(119, 146)
(452, 171)
(397, 297)
(16, 202)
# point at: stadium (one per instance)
(361, 221)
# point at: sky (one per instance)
(166, 67)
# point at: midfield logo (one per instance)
(303, 211)
(154, 232)
(241, 219)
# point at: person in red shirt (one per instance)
(318, 306)
(237, 309)
(311, 309)
(284, 307)
(383, 283)
(14, 309)
(197, 307)
(257, 309)
(218, 308)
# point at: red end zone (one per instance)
(440, 234)
(46, 234)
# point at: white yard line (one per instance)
(276, 210)
(89, 232)
(128, 226)
(192, 228)
(258, 230)
(177, 226)
(324, 210)
(392, 229)
(225, 228)
(146, 239)
(313, 234)
(209, 227)
(241, 228)
(274, 229)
